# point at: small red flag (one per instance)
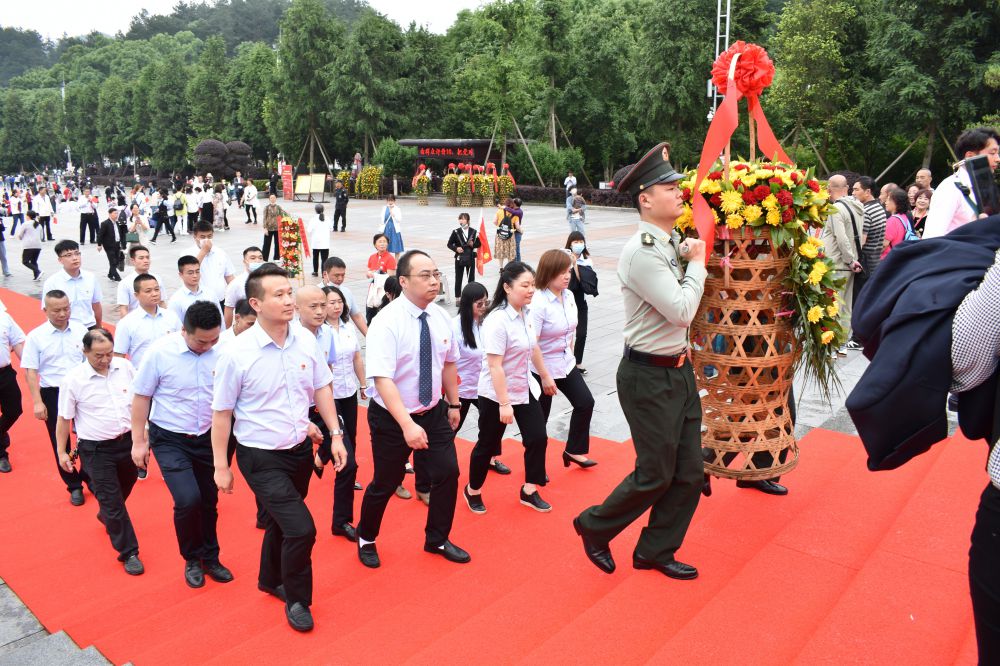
(483, 254)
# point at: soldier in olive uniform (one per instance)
(655, 379)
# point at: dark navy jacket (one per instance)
(904, 318)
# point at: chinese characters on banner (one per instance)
(447, 153)
(286, 182)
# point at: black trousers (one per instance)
(112, 477)
(578, 393)
(269, 237)
(164, 224)
(340, 214)
(189, 472)
(984, 576)
(389, 455)
(343, 484)
(88, 223)
(10, 406)
(464, 412)
(30, 260)
(582, 315)
(319, 256)
(280, 480)
(74, 480)
(250, 208)
(462, 271)
(192, 220)
(113, 254)
(859, 281)
(46, 224)
(530, 420)
(420, 478)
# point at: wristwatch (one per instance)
(458, 406)
(336, 433)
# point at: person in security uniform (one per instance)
(656, 384)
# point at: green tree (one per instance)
(207, 95)
(114, 135)
(397, 160)
(16, 146)
(251, 75)
(424, 80)
(167, 133)
(81, 130)
(48, 138)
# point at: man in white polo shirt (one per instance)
(79, 285)
(141, 261)
(216, 269)
(146, 324)
(237, 289)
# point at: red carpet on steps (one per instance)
(851, 566)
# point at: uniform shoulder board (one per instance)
(647, 238)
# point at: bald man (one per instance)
(842, 241)
(923, 179)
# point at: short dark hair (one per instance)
(203, 227)
(464, 216)
(255, 288)
(900, 198)
(866, 183)
(56, 293)
(139, 279)
(345, 314)
(65, 246)
(974, 140)
(333, 262)
(243, 308)
(252, 248)
(377, 236)
(403, 265)
(135, 249)
(202, 314)
(186, 260)
(92, 336)
(31, 214)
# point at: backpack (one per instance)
(178, 203)
(908, 233)
(506, 227)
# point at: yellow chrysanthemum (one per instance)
(820, 266)
(826, 338)
(752, 213)
(715, 216)
(808, 250)
(813, 240)
(748, 179)
(833, 310)
(686, 220)
(734, 221)
(814, 213)
(732, 201)
(815, 314)
(770, 202)
(773, 217)
(764, 173)
(710, 186)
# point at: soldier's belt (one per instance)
(656, 360)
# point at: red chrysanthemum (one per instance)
(787, 215)
(784, 197)
(796, 177)
(748, 197)
(715, 175)
(754, 69)
(776, 181)
(761, 192)
(686, 194)
(716, 199)
(813, 185)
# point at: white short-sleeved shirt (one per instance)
(83, 291)
(53, 353)
(393, 350)
(11, 335)
(555, 326)
(139, 329)
(236, 290)
(180, 382)
(101, 406)
(126, 290)
(184, 297)
(511, 335)
(345, 345)
(470, 361)
(225, 338)
(215, 267)
(269, 388)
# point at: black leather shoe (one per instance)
(299, 617)
(597, 553)
(706, 486)
(4, 465)
(260, 525)
(498, 467)
(76, 497)
(449, 551)
(567, 459)
(347, 531)
(217, 572)
(194, 575)
(535, 501)
(672, 569)
(768, 487)
(273, 591)
(475, 502)
(369, 555)
(133, 566)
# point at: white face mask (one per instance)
(254, 265)
(578, 248)
(464, 225)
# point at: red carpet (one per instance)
(849, 567)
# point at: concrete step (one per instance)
(54, 649)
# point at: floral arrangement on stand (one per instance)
(449, 186)
(505, 183)
(291, 240)
(369, 182)
(465, 184)
(492, 189)
(478, 185)
(421, 185)
(345, 178)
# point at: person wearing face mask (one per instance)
(236, 290)
(582, 283)
(463, 242)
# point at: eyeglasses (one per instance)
(424, 275)
(485, 303)
(71, 253)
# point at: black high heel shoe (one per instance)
(567, 459)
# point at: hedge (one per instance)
(557, 195)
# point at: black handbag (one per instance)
(588, 280)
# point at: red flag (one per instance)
(483, 254)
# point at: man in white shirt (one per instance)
(267, 378)
(244, 317)
(954, 203)
(334, 272)
(237, 289)
(176, 381)
(191, 289)
(410, 359)
(249, 202)
(88, 217)
(146, 324)
(96, 396)
(11, 341)
(79, 285)
(216, 269)
(16, 209)
(50, 351)
(43, 206)
(141, 261)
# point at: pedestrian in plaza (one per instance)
(656, 384)
(954, 202)
(109, 240)
(569, 183)
(341, 198)
(88, 217)
(143, 326)
(96, 399)
(173, 396)
(463, 242)
(50, 351)
(249, 201)
(318, 233)
(554, 318)
(504, 245)
(18, 207)
(3, 248)
(42, 205)
(582, 283)
(11, 342)
(272, 214)
(872, 240)
(141, 261)
(81, 286)
(411, 357)
(841, 237)
(266, 379)
(137, 228)
(392, 226)
(517, 214)
(191, 289)
(576, 211)
(219, 200)
(217, 270)
(897, 224)
(166, 216)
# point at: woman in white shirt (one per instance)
(31, 243)
(137, 225)
(554, 316)
(507, 390)
(318, 234)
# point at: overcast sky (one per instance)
(74, 17)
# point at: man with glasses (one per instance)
(80, 286)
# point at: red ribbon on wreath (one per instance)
(743, 70)
(420, 171)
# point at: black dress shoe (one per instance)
(369, 555)
(706, 486)
(273, 591)
(260, 525)
(475, 502)
(567, 459)
(535, 501)
(133, 566)
(768, 487)
(299, 617)
(194, 575)
(4, 465)
(498, 467)
(76, 497)
(597, 553)
(449, 551)
(347, 531)
(672, 569)
(217, 572)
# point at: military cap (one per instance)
(652, 169)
